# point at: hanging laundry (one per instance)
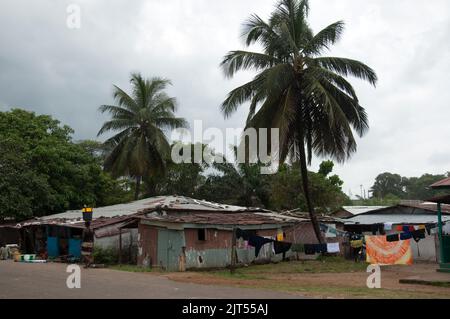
(356, 243)
(281, 247)
(405, 236)
(258, 242)
(320, 248)
(333, 247)
(298, 248)
(418, 235)
(388, 226)
(411, 228)
(309, 249)
(380, 251)
(242, 234)
(428, 228)
(399, 228)
(391, 238)
(422, 227)
(280, 236)
(405, 228)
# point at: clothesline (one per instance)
(283, 246)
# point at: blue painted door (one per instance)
(75, 247)
(170, 243)
(53, 246)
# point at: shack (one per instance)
(183, 233)
(59, 235)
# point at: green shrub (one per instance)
(107, 256)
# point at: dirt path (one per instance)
(21, 280)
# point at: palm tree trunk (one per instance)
(137, 191)
(312, 215)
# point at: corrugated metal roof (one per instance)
(180, 203)
(237, 218)
(369, 219)
(356, 210)
(444, 183)
(424, 208)
(103, 216)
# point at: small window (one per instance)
(201, 234)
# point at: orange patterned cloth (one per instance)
(379, 251)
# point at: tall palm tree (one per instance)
(297, 90)
(140, 148)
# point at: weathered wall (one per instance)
(215, 251)
(147, 245)
(113, 241)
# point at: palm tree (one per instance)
(297, 90)
(140, 148)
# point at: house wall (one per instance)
(214, 252)
(107, 242)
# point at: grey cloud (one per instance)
(48, 68)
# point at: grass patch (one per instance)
(321, 265)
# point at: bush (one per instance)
(107, 256)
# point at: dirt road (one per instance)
(22, 280)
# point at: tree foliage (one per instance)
(43, 171)
(400, 187)
(140, 148)
(297, 89)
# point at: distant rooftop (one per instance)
(444, 183)
(395, 219)
(356, 210)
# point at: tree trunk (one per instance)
(304, 172)
(137, 191)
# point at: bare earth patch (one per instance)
(322, 279)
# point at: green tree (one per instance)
(140, 148)
(388, 183)
(297, 90)
(237, 184)
(43, 171)
(326, 195)
(183, 178)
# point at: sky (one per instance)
(49, 68)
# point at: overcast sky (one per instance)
(48, 68)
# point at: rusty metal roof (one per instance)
(444, 183)
(219, 218)
(104, 216)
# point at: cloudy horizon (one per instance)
(68, 73)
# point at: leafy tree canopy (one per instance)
(44, 171)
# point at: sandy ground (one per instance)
(22, 280)
(331, 285)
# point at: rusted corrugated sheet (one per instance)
(444, 183)
(220, 218)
